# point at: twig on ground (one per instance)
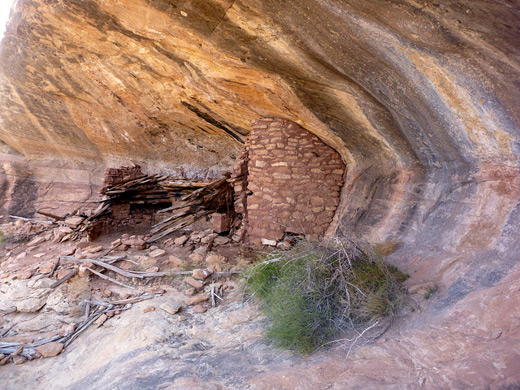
(4, 333)
(70, 275)
(110, 279)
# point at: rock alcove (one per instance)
(419, 99)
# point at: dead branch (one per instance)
(50, 215)
(109, 278)
(70, 275)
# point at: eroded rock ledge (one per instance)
(419, 98)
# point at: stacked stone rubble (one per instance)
(293, 182)
(114, 176)
(239, 180)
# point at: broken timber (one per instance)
(214, 197)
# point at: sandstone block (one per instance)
(157, 253)
(36, 241)
(180, 240)
(193, 282)
(74, 221)
(220, 222)
(220, 240)
(50, 349)
(199, 309)
(197, 299)
(171, 308)
(201, 274)
(268, 242)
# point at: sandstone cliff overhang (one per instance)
(419, 98)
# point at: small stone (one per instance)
(83, 271)
(74, 221)
(135, 243)
(196, 300)
(39, 255)
(107, 292)
(180, 240)
(36, 355)
(268, 242)
(171, 308)
(125, 296)
(25, 274)
(191, 291)
(68, 329)
(18, 223)
(195, 283)
(220, 240)
(152, 269)
(229, 285)
(94, 249)
(175, 261)
(157, 253)
(148, 309)
(157, 290)
(208, 239)
(201, 274)
(214, 261)
(50, 349)
(201, 250)
(168, 241)
(36, 241)
(65, 230)
(284, 245)
(220, 222)
(101, 320)
(19, 359)
(62, 273)
(145, 260)
(122, 248)
(116, 242)
(41, 283)
(196, 258)
(199, 309)
(68, 251)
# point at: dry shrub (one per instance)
(314, 293)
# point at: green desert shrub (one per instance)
(314, 293)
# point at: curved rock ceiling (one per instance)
(419, 97)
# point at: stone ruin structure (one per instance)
(287, 182)
(291, 182)
(419, 97)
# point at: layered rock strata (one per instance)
(419, 98)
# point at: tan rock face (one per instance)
(420, 99)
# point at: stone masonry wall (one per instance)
(294, 181)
